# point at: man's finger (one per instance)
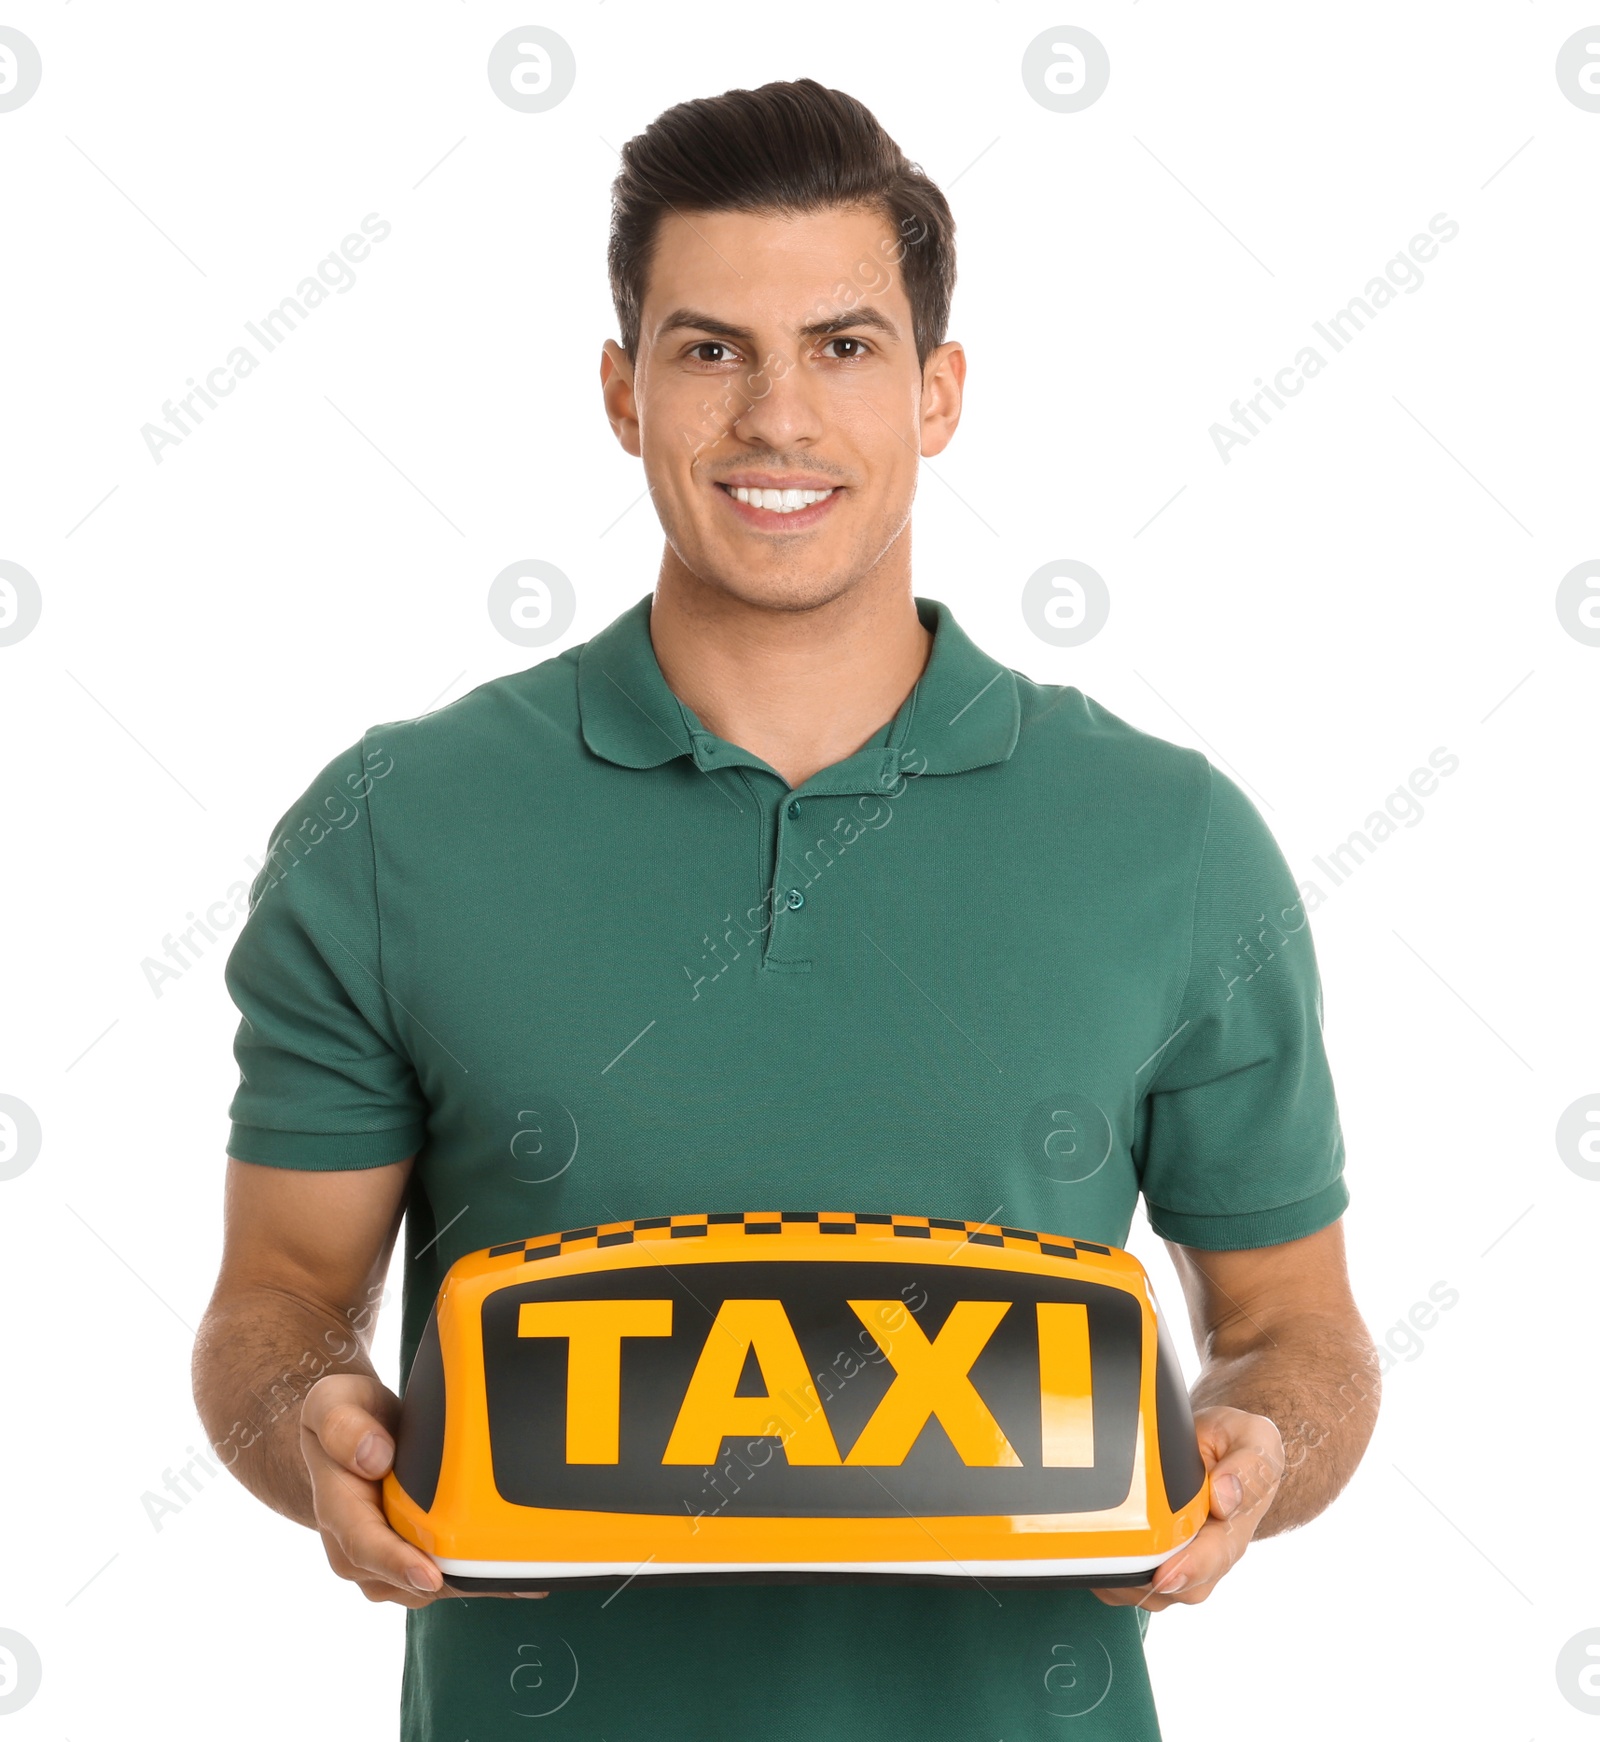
(1244, 1462)
(1203, 1562)
(347, 1510)
(1122, 1596)
(1227, 1491)
(1152, 1601)
(375, 1590)
(1244, 1483)
(365, 1538)
(348, 1443)
(1218, 1544)
(1244, 1459)
(358, 1440)
(344, 1419)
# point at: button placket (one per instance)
(784, 939)
(790, 936)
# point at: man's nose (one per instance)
(777, 406)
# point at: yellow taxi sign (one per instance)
(769, 1395)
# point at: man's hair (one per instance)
(791, 146)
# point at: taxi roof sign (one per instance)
(779, 1396)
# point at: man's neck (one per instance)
(800, 689)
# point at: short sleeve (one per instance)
(1238, 1142)
(324, 1079)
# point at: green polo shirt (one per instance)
(1014, 960)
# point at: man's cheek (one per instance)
(879, 427)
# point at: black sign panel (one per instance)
(527, 1382)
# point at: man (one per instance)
(778, 893)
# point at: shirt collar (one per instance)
(964, 712)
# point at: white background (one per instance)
(1372, 577)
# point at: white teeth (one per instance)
(780, 501)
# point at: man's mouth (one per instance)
(784, 501)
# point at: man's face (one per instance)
(776, 355)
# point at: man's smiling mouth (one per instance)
(784, 501)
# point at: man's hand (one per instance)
(290, 1321)
(346, 1435)
(1245, 1461)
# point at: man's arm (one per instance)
(1285, 1403)
(282, 1377)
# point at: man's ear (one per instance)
(616, 390)
(943, 376)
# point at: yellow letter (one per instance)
(594, 1330)
(711, 1409)
(1066, 1390)
(931, 1379)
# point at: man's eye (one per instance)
(860, 350)
(700, 352)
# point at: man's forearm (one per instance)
(1317, 1379)
(256, 1357)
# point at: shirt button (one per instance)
(796, 898)
(794, 807)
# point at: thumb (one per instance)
(335, 1413)
(1226, 1493)
(374, 1453)
(1244, 1459)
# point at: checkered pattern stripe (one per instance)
(738, 1224)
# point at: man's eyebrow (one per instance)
(693, 320)
(862, 317)
(696, 321)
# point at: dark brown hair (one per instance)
(791, 146)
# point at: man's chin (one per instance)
(789, 587)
